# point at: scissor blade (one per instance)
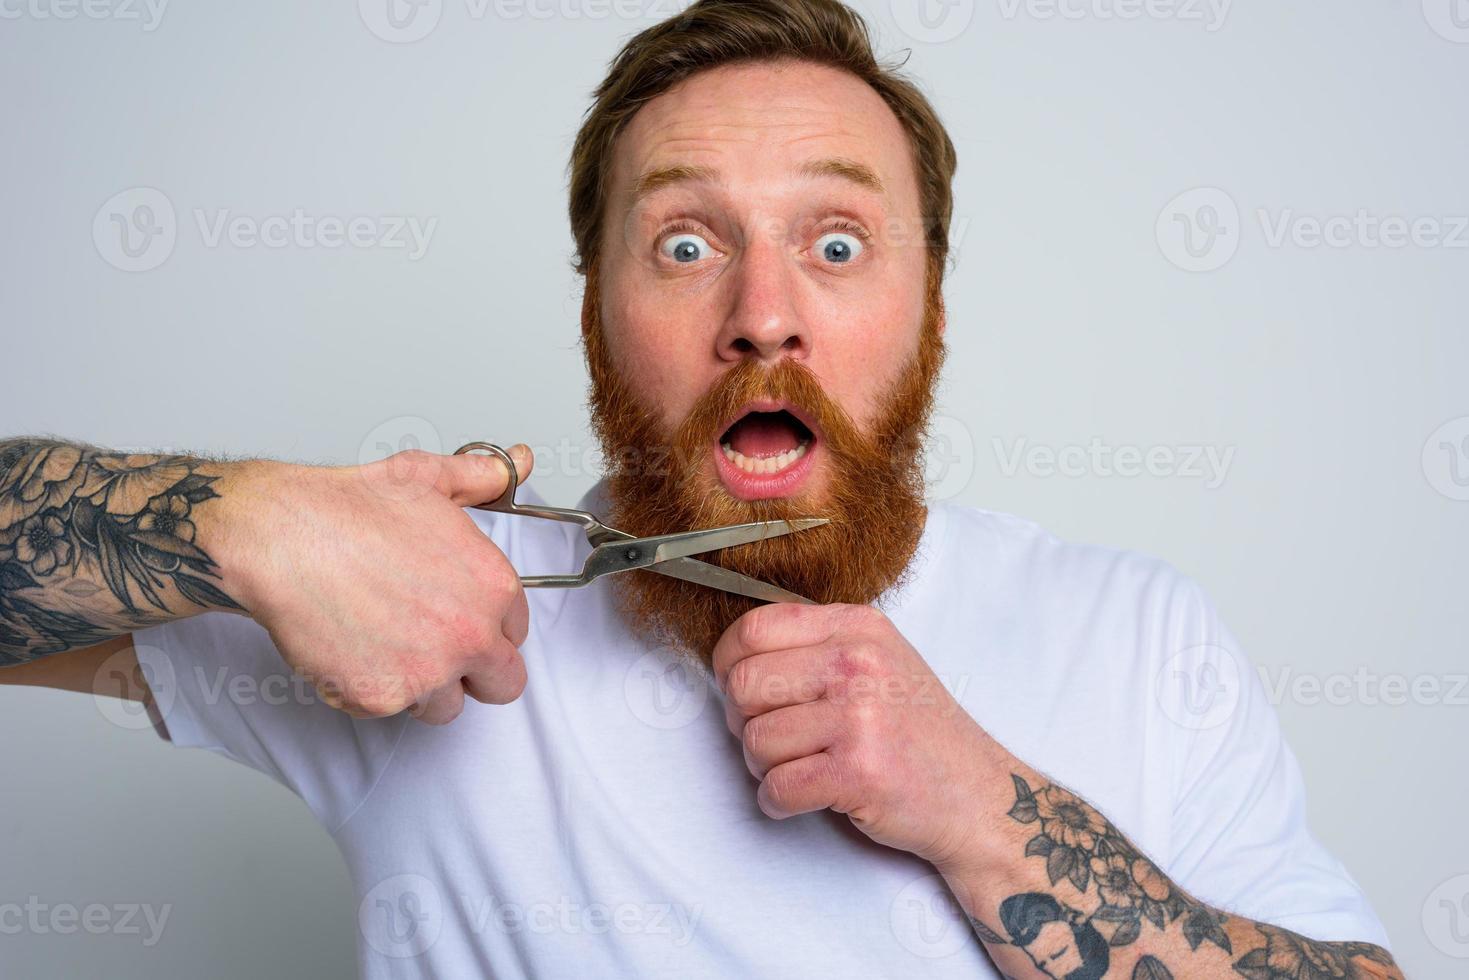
(620, 556)
(716, 577)
(714, 539)
(706, 574)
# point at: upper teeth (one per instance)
(764, 464)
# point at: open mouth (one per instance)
(766, 452)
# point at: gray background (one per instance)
(1335, 541)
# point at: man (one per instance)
(761, 213)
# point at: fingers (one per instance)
(441, 707)
(756, 685)
(778, 626)
(801, 786)
(478, 478)
(787, 734)
(501, 680)
(516, 623)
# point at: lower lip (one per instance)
(764, 486)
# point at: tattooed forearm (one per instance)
(94, 544)
(1101, 908)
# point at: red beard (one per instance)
(659, 482)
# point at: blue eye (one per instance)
(839, 247)
(686, 248)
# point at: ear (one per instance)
(590, 297)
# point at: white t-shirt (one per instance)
(605, 825)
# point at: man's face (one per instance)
(1054, 949)
(763, 334)
(751, 247)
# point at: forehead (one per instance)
(757, 124)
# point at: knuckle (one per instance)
(467, 631)
(504, 583)
(854, 659)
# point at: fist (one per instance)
(378, 587)
(836, 710)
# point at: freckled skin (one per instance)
(764, 291)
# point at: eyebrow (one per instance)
(840, 167)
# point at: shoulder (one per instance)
(1032, 565)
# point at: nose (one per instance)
(763, 322)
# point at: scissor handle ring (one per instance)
(506, 500)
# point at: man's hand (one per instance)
(374, 583)
(837, 710)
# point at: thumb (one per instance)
(478, 478)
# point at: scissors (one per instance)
(666, 554)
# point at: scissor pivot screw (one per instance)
(633, 554)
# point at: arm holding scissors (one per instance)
(96, 544)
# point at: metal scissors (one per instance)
(666, 554)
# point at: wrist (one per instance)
(982, 848)
(244, 524)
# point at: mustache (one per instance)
(787, 382)
(675, 455)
